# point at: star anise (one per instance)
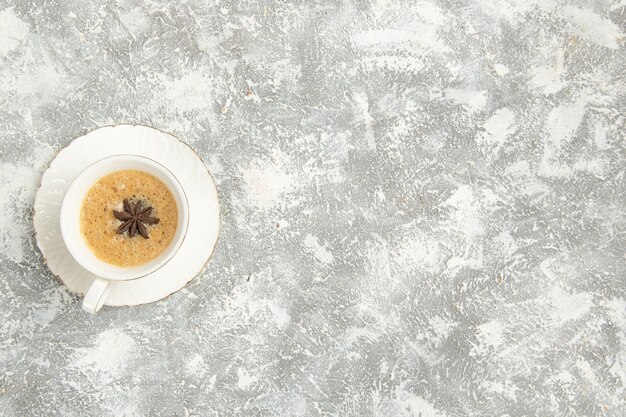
(134, 218)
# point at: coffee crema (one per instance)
(99, 225)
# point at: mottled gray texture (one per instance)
(423, 207)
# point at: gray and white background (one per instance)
(423, 207)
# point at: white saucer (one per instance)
(164, 148)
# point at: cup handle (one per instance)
(96, 295)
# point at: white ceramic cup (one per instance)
(70, 225)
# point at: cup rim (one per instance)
(71, 247)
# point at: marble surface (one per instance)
(423, 207)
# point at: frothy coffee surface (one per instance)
(99, 226)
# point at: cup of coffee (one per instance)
(122, 218)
